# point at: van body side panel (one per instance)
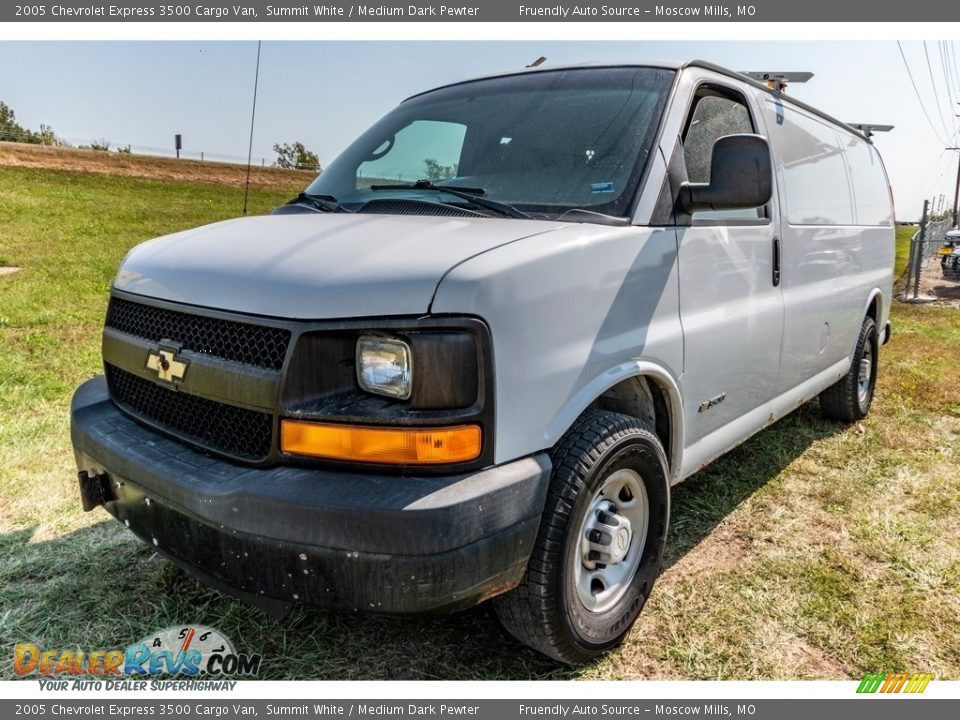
(831, 263)
(724, 439)
(732, 318)
(871, 191)
(568, 311)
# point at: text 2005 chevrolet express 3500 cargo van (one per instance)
(471, 360)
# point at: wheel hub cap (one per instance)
(612, 537)
(606, 540)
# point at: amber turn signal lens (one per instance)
(392, 446)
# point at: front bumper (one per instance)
(285, 535)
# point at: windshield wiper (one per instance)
(324, 203)
(470, 194)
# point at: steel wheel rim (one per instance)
(622, 498)
(864, 377)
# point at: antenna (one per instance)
(253, 115)
(868, 129)
(538, 62)
(777, 81)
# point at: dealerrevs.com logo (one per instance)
(189, 650)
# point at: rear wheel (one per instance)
(600, 544)
(849, 400)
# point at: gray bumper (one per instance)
(292, 534)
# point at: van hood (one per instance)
(315, 266)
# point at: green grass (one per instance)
(812, 551)
(904, 233)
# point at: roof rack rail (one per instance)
(777, 81)
(869, 129)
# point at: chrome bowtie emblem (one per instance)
(166, 365)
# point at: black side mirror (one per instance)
(740, 176)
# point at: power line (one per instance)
(934, 179)
(951, 71)
(947, 76)
(918, 193)
(933, 85)
(951, 50)
(923, 107)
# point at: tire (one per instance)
(951, 270)
(849, 400)
(562, 607)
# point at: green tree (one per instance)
(12, 131)
(296, 156)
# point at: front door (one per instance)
(731, 306)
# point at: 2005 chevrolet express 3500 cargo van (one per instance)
(472, 358)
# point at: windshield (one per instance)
(544, 142)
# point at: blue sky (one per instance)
(325, 93)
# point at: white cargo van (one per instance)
(471, 359)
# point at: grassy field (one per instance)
(904, 233)
(813, 551)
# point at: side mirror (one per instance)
(740, 176)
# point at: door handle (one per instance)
(776, 261)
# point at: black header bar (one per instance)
(640, 11)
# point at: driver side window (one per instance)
(423, 150)
(716, 113)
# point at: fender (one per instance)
(881, 319)
(617, 374)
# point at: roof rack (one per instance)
(868, 129)
(777, 81)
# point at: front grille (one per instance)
(258, 345)
(243, 433)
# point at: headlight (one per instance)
(385, 366)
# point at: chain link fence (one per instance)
(933, 270)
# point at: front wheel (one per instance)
(600, 545)
(849, 400)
